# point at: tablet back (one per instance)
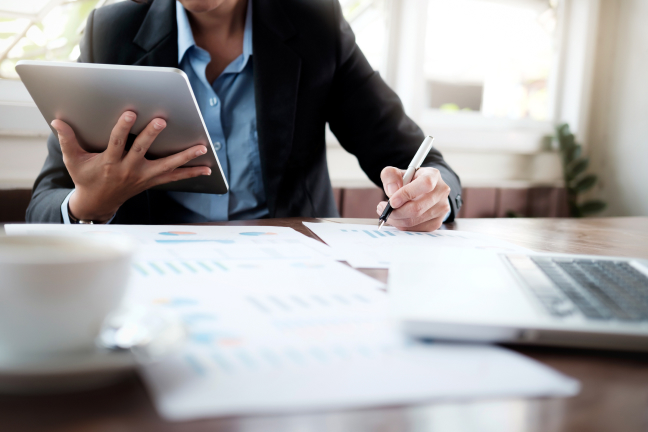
(91, 97)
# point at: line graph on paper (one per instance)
(391, 233)
(365, 246)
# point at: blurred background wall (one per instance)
(490, 79)
(619, 111)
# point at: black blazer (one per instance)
(308, 71)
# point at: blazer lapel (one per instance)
(276, 77)
(276, 81)
(158, 35)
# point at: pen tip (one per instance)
(380, 224)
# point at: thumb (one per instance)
(392, 179)
(67, 139)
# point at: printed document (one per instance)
(289, 335)
(276, 326)
(364, 246)
(222, 242)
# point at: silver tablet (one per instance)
(91, 97)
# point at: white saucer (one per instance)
(81, 371)
(137, 336)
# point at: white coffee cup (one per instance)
(55, 291)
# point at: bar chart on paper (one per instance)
(317, 330)
(221, 242)
(364, 246)
(392, 232)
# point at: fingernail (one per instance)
(158, 125)
(391, 188)
(208, 172)
(129, 118)
(201, 151)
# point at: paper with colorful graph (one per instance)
(218, 242)
(365, 246)
(274, 325)
(286, 335)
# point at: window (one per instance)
(488, 78)
(469, 71)
(490, 57)
(51, 29)
(485, 73)
(41, 30)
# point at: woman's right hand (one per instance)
(104, 181)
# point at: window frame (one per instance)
(569, 85)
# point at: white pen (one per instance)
(416, 163)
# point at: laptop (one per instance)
(530, 298)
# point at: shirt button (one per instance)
(218, 145)
(213, 101)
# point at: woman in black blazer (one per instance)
(308, 71)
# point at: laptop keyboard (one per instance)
(600, 289)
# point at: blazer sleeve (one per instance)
(368, 117)
(54, 183)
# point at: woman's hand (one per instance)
(104, 181)
(422, 205)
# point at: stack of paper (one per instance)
(364, 246)
(270, 332)
(290, 335)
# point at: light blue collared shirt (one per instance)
(229, 110)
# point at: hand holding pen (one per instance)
(418, 197)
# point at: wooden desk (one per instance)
(614, 394)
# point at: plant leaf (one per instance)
(576, 168)
(567, 145)
(513, 214)
(577, 152)
(585, 183)
(574, 211)
(574, 152)
(591, 207)
(566, 142)
(562, 130)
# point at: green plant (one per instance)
(577, 180)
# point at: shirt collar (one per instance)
(186, 39)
